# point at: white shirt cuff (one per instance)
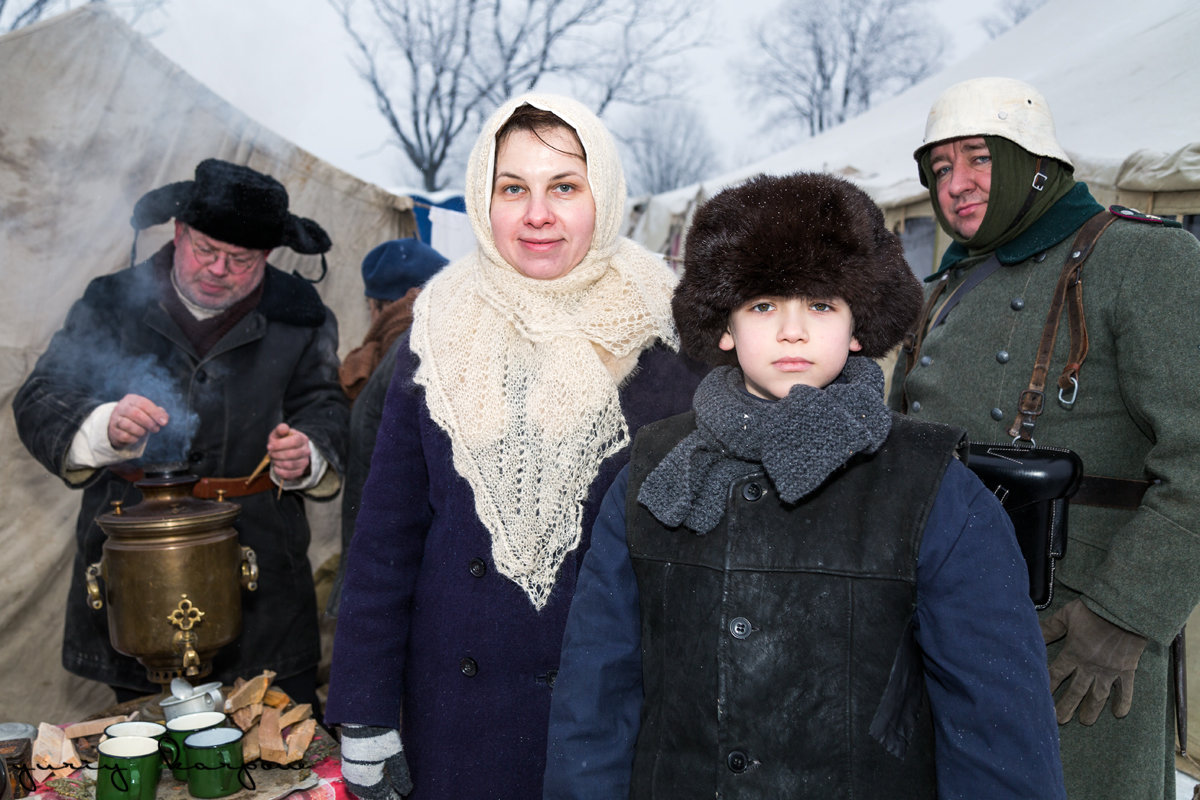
(316, 470)
(90, 448)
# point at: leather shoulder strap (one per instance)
(916, 336)
(927, 320)
(1069, 293)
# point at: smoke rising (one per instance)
(103, 358)
(149, 379)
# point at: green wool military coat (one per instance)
(1137, 415)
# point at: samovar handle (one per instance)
(95, 598)
(249, 569)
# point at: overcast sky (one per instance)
(286, 63)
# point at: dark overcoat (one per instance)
(1136, 416)
(430, 628)
(365, 415)
(277, 364)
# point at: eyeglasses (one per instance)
(207, 255)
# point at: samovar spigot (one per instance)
(185, 616)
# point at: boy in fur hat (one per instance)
(791, 591)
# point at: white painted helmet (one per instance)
(994, 107)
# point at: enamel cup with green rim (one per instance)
(151, 730)
(128, 768)
(214, 759)
(179, 729)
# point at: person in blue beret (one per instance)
(392, 276)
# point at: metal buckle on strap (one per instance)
(1039, 181)
(1031, 403)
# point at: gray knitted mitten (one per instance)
(373, 763)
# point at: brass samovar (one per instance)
(172, 571)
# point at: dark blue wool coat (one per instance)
(429, 630)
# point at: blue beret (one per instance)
(394, 267)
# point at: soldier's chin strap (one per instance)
(1035, 187)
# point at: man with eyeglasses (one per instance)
(203, 354)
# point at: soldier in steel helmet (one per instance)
(1003, 188)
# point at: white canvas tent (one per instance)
(91, 117)
(1120, 78)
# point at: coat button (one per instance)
(1040, 257)
(1002, 356)
(740, 627)
(468, 667)
(752, 492)
(478, 567)
(201, 376)
(914, 406)
(926, 361)
(737, 761)
(997, 414)
(1016, 304)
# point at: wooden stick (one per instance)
(257, 470)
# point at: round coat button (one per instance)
(740, 627)
(926, 361)
(997, 414)
(1016, 304)
(752, 491)
(737, 761)
(478, 567)
(1002, 356)
(201, 376)
(915, 405)
(468, 667)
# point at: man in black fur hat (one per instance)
(203, 354)
(791, 591)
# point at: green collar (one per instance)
(1060, 221)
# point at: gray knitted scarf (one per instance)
(798, 440)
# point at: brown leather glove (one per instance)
(1099, 654)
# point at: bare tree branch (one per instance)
(31, 12)
(436, 67)
(1008, 15)
(668, 147)
(821, 63)
(19, 13)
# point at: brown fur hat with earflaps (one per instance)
(808, 235)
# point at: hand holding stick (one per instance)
(290, 454)
(258, 470)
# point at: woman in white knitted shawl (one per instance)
(529, 366)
